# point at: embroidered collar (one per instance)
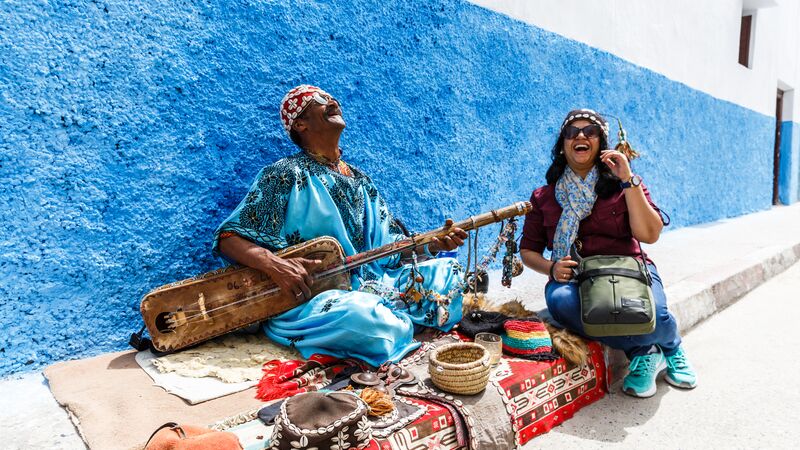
(337, 165)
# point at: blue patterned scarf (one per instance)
(576, 196)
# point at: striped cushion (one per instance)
(526, 337)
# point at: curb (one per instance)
(693, 300)
(701, 296)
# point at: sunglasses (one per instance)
(589, 131)
(323, 99)
(320, 99)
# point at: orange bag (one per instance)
(172, 436)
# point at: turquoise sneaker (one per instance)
(679, 372)
(643, 371)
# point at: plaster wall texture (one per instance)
(789, 181)
(131, 129)
(695, 43)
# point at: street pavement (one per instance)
(30, 418)
(748, 392)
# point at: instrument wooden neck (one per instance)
(481, 220)
(418, 240)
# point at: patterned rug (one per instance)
(542, 395)
(537, 395)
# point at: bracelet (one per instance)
(552, 266)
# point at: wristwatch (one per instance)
(635, 181)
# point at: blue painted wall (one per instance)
(130, 129)
(788, 184)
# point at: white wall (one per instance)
(787, 43)
(690, 41)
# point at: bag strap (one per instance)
(649, 280)
(629, 273)
(582, 276)
(172, 426)
(139, 342)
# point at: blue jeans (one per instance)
(564, 305)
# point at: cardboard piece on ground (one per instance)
(116, 406)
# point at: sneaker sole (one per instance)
(682, 385)
(652, 391)
(646, 394)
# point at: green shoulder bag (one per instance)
(615, 294)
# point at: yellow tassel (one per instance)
(623, 146)
(379, 403)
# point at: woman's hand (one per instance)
(561, 270)
(617, 163)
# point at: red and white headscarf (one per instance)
(297, 100)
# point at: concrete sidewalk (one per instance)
(705, 268)
(746, 397)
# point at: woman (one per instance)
(593, 199)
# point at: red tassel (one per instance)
(287, 378)
(273, 384)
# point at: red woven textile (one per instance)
(539, 395)
(292, 377)
(542, 395)
(524, 326)
(434, 430)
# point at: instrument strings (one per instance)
(357, 260)
(198, 314)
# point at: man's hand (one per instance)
(293, 275)
(454, 238)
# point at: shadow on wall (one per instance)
(131, 129)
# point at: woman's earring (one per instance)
(561, 152)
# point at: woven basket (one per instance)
(461, 368)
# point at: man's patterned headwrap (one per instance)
(588, 114)
(297, 100)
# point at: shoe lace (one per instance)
(643, 365)
(678, 361)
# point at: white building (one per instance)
(744, 51)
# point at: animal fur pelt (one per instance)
(569, 345)
(566, 343)
(516, 309)
(475, 302)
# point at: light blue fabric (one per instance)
(297, 199)
(576, 196)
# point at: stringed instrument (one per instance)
(197, 309)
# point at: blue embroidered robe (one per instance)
(297, 199)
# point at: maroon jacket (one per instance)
(605, 231)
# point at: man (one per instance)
(314, 193)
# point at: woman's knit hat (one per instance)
(528, 339)
(588, 114)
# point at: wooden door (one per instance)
(776, 165)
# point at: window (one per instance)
(744, 40)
